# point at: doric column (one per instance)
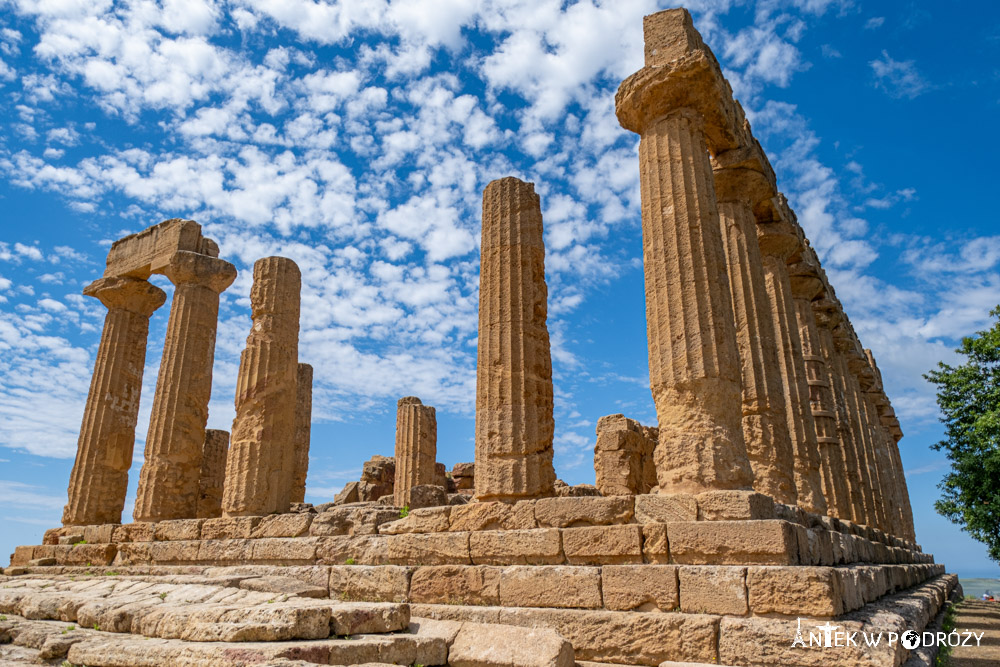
(860, 372)
(99, 479)
(514, 422)
(828, 315)
(857, 471)
(303, 431)
(777, 242)
(904, 494)
(765, 425)
(213, 473)
(168, 483)
(878, 516)
(416, 447)
(261, 459)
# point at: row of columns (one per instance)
(751, 374)
(189, 471)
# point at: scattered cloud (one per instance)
(898, 78)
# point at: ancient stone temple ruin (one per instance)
(766, 504)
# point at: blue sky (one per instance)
(356, 138)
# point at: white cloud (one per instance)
(898, 78)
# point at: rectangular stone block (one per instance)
(603, 545)
(22, 555)
(734, 506)
(655, 543)
(713, 589)
(382, 583)
(229, 528)
(493, 516)
(734, 543)
(133, 553)
(86, 554)
(133, 532)
(423, 520)
(654, 508)
(428, 549)
(102, 534)
(285, 550)
(283, 525)
(178, 529)
(541, 546)
(558, 586)
(352, 550)
(639, 587)
(225, 551)
(176, 551)
(456, 584)
(594, 511)
(795, 591)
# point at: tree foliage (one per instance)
(969, 398)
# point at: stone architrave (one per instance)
(303, 431)
(168, 482)
(694, 366)
(623, 456)
(777, 242)
(416, 447)
(514, 421)
(99, 479)
(765, 425)
(259, 470)
(213, 473)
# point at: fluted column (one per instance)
(99, 479)
(863, 448)
(213, 473)
(904, 495)
(303, 431)
(765, 425)
(777, 242)
(259, 470)
(416, 447)
(514, 421)
(877, 516)
(168, 482)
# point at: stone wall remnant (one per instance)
(416, 448)
(213, 473)
(623, 456)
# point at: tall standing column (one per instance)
(303, 431)
(416, 447)
(261, 461)
(878, 515)
(765, 425)
(855, 400)
(213, 473)
(99, 479)
(777, 242)
(514, 422)
(168, 482)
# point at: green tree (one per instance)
(969, 398)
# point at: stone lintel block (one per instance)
(175, 551)
(456, 584)
(428, 549)
(655, 543)
(285, 550)
(101, 534)
(423, 520)
(352, 549)
(713, 589)
(734, 505)
(734, 543)
(482, 645)
(639, 587)
(560, 586)
(493, 515)
(149, 251)
(603, 545)
(795, 591)
(283, 525)
(594, 511)
(656, 508)
(539, 546)
(229, 528)
(141, 531)
(85, 554)
(379, 583)
(178, 529)
(225, 551)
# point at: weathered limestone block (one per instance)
(284, 586)
(455, 584)
(99, 479)
(170, 476)
(283, 525)
(225, 528)
(623, 456)
(542, 546)
(424, 495)
(735, 542)
(693, 362)
(666, 509)
(639, 587)
(494, 516)
(384, 583)
(795, 591)
(559, 586)
(100, 534)
(348, 520)
(303, 431)
(423, 520)
(261, 463)
(140, 531)
(213, 473)
(734, 505)
(151, 250)
(483, 645)
(428, 549)
(416, 447)
(514, 422)
(655, 543)
(349, 494)
(713, 589)
(178, 529)
(603, 545)
(464, 476)
(765, 425)
(572, 512)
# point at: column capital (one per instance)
(133, 295)
(828, 313)
(741, 184)
(187, 268)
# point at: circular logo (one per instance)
(910, 640)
